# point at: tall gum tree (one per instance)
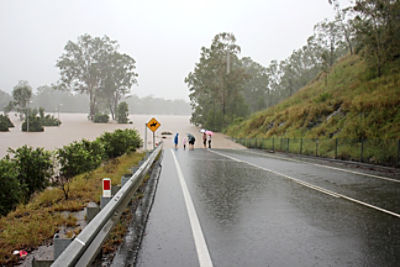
(82, 66)
(119, 76)
(216, 83)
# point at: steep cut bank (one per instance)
(345, 104)
(345, 114)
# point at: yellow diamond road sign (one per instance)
(153, 124)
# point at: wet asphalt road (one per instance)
(252, 214)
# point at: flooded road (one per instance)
(77, 126)
(252, 214)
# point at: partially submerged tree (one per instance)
(22, 94)
(93, 66)
(119, 76)
(122, 112)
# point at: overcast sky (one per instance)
(164, 37)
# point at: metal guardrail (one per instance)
(84, 248)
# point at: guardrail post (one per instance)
(288, 145)
(107, 195)
(336, 145)
(398, 153)
(91, 211)
(301, 146)
(60, 244)
(273, 144)
(362, 151)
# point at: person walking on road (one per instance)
(209, 140)
(184, 142)
(191, 141)
(176, 141)
(205, 140)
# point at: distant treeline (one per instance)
(52, 100)
(225, 87)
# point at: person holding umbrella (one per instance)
(191, 140)
(205, 139)
(209, 134)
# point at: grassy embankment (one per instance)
(348, 106)
(35, 223)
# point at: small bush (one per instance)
(35, 124)
(34, 168)
(80, 157)
(6, 120)
(10, 189)
(120, 142)
(101, 118)
(48, 120)
(3, 126)
(77, 158)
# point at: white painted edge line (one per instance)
(328, 167)
(320, 189)
(200, 243)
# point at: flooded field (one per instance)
(76, 126)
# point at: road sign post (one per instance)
(153, 125)
(145, 137)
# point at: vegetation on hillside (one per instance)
(351, 105)
(369, 29)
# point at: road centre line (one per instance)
(328, 167)
(200, 243)
(317, 188)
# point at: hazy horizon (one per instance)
(163, 37)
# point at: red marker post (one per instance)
(107, 187)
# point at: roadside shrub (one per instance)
(79, 157)
(34, 168)
(10, 189)
(101, 118)
(48, 120)
(120, 142)
(122, 112)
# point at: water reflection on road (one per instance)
(252, 217)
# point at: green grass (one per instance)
(35, 223)
(365, 108)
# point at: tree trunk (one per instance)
(92, 109)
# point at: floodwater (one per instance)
(75, 127)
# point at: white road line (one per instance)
(200, 243)
(320, 189)
(329, 167)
